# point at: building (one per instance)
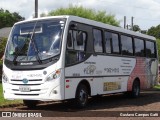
(4, 32)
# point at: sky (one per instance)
(145, 12)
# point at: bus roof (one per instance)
(93, 23)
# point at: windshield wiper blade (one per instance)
(34, 44)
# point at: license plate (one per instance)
(24, 89)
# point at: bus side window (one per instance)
(97, 40)
(139, 47)
(76, 42)
(127, 45)
(115, 44)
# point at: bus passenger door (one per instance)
(75, 57)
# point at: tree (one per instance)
(8, 19)
(80, 11)
(154, 31)
(3, 42)
(136, 28)
(158, 47)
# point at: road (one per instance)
(104, 107)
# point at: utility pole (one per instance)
(36, 8)
(124, 22)
(132, 22)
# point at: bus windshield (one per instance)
(30, 40)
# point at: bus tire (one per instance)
(30, 103)
(135, 89)
(81, 96)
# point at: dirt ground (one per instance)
(147, 106)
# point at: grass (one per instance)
(157, 87)
(4, 102)
(1, 62)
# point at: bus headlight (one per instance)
(4, 78)
(54, 75)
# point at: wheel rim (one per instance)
(83, 96)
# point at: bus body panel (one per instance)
(117, 76)
(102, 65)
(113, 72)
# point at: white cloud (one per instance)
(145, 12)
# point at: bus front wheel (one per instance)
(30, 103)
(81, 96)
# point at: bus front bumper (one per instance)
(43, 92)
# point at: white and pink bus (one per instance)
(68, 57)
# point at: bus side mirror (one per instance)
(73, 26)
(69, 40)
(79, 38)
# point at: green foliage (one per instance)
(136, 28)
(157, 87)
(3, 42)
(7, 19)
(80, 11)
(154, 31)
(158, 48)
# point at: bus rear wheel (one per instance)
(81, 96)
(30, 103)
(135, 89)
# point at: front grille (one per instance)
(26, 84)
(27, 94)
(28, 80)
(29, 91)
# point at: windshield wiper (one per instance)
(34, 44)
